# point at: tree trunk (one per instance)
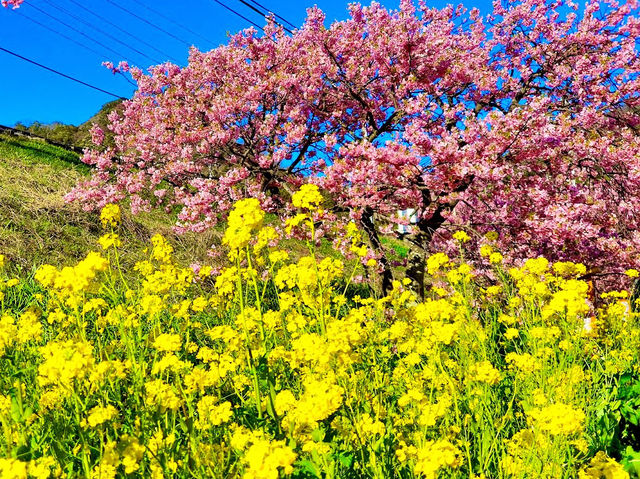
(418, 259)
(415, 271)
(374, 239)
(634, 301)
(426, 228)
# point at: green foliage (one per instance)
(71, 135)
(32, 152)
(83, 135)
(624, 412)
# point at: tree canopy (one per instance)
(520, 122)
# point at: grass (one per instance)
(31, 152)
(399, 248)
(37, 226)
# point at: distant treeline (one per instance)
(71, 135)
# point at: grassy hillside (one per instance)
(37, 226)
(71, 135)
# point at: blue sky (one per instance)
(29, 93)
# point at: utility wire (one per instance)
(82, 45)
(43, 25)
(107, 34)
(119, 54)
(61, 74)
(269, 10)
(79, 5)
(133, 14)
(239, 14)
(174, 22)
(265, 14)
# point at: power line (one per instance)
(107, 34)
(148, 22)
(79, 5)
(239, 14)
(264, 13)
(61, 74)
(174, 22)
(269, 10)
(82, 45)
(77, 31)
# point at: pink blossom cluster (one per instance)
(523, 122)
(12, 3)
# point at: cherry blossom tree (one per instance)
(520, 122)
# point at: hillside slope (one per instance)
(71, 135)
(37, 226)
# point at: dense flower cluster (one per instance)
(280, 367)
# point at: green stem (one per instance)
(250, 362)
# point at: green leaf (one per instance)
(317, 435)
(631, 461)
(16, 410)
(23, 453)
(309, 467)
(345, 459)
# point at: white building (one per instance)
(409, 213)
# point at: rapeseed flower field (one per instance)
(274, 367)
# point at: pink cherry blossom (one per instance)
(13, 3)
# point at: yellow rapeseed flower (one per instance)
(109, 240)
(132, 453)
(265, 458)
(245, 218)
(632, 273)
(495, 258)
(151, 304)
(435, 455)
(492, 235)
(161, 395)
(568, 269)
(558, 419)
(64, 362)
(162, 250)
(101, 414)
(307, 197)
(602, 466)
(110, 215)
(484, 372)
(211, 412)
(29, 327)
(485, 250)
(168, 342)
(436, 261)
(13, 468)
(461, 236)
